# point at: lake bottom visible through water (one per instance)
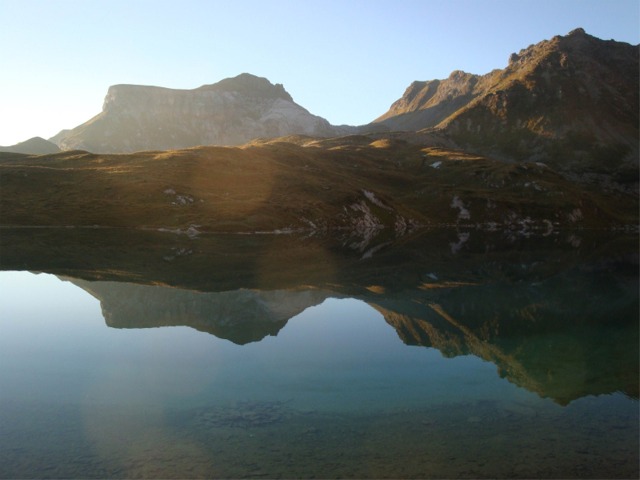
(273, 440)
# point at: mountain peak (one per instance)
(251, 85)
(577, 32)
(231, 112)
(572, 93)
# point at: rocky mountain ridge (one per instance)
(230, 112)
(564, 108)
(572, 100)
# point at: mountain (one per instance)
(571, 100)
(33, 146)
(59, 136)
(568, 105)
(230, 112)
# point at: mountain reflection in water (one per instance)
(310, 376)
(556, 314)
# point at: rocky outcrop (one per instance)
(426, 104)
(572, 99)
(231, 112)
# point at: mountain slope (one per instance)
(33, 146)
(230, 112)
(572, 100)
(365, 185)
(426, 104)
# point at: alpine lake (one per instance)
(448, 353)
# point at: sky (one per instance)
(345, 60)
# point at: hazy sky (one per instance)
(345, 60)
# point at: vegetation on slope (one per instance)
(571, 101)
(355, 183)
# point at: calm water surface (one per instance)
(95, 382)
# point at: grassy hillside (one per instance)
(356, 184)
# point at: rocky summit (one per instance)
(230, 112)
(571, 100)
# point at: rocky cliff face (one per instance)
(572, 99)
(426, 104)
(231, 112)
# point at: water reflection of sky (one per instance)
(55, 347)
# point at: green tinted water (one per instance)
(522, 375)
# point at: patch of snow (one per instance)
(436, 164)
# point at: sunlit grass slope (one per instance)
(300, 183)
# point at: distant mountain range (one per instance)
(549, 142)
(572, 100)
